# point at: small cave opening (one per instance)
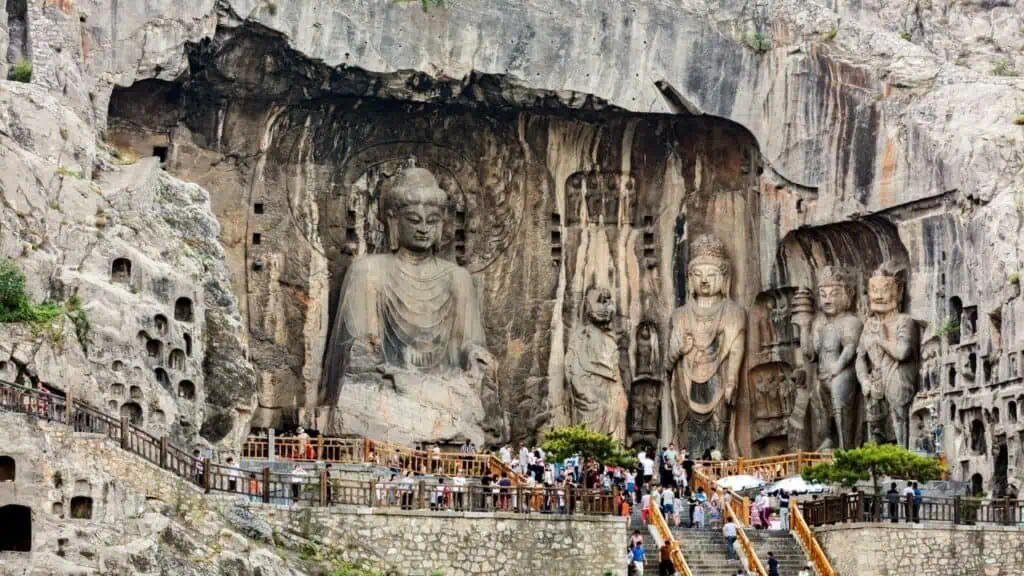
(1011, 411)
(162, 378)
(121, 271)
(8, 468)
(15, 528)
(17, 31)
(117, 366)
(176, 360)
(977, 484)
(136, 393)
(117, 390)
(153, 348)
(161, 324)
(969, 323)
(257, 208)
(952, 376)
(58, 509)
(188, 344)
(112, 405)
(158, 416)
(81, 508)
(186, 390)
(183, 309)
(161, 153)
(978, 442)
(133, 412)
(141, 116)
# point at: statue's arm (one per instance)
(473, 341)
(678, 344)
(735, 365)
(863, 369)
(903, 344)
(809, 340)
(850, 337)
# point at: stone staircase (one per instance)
(704, 550)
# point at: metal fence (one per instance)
(858, 507)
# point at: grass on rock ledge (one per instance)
(16, 307)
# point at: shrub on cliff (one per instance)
(562, 443)
(874, 462)
(16, 307)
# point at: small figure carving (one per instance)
(596, 395)
(646, 349)
(887, 356)
(831, 342)
(706, 352)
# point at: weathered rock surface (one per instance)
(806, 134)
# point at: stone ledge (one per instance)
(924, 526)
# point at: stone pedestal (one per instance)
(407, 408)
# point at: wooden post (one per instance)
(125, 428)
(323, 485)
(419, 496)
(957, 511)
(799, 461)
(163, 452)
(266, 485)
(206, 475)
(270, 444)
(320, 448)
(373, 493)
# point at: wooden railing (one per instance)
(804, 535)
(739, 505)
(753, 562)
(367, 451)
(859, 507)
(678, 561)
(768, 468)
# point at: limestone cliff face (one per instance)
(802, 133)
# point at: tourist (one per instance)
(298, 479)
(505, 453)
(630, 486)
(504, 484)
(232, 475)
(806, 571)
(645, 507)
(729, 531)
(665, 567)
(524, 459)
(396, 462)
(698, 515)
(784, 510)
(468, 451)
(917, 503)
(668, 501)
(636, 538)
(893, 498)
(254, 488)
(670, 465)
(688, 469)
(303, 444)
(773, 565)
(716, 454)
(639, 555)
(438, 495)
(197, 467)
(458, 492)
(648, 467)
(692, 502)
(435, 457)
(763, 510)
(407, 490)
(908, 502)
(706, 456)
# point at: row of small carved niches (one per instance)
(968, 352)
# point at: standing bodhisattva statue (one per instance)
(706, 352)
(887, 357)
(831, 342)
(411, 319)
(596, 395)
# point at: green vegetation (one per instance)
(425, 3)
(562, 443)
(21, 72)
(1004, 68)
(906, 36)
(830, 35)
(757, 42)
(125, 156)
(948, 327)
(874, 462)
(65, 171)
(1019, 121)
(15, 306)
(1014, 278)
(356, 569)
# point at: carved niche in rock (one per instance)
(600, 198)
(774, 394)
(407, 358)
(596, 395)
(645, 392)
(829, 342)
(887, 357)
(770, 318)
(705, 356)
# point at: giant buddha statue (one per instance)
(706, 352)
(407, 360)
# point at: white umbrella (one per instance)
(740, 482)
(797, 485)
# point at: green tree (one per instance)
(874, 462)
(562, 443)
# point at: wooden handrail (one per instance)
(737, 504)
(769, 467)
(753, 562)
(804, 535)
(678, 561)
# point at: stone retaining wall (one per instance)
(923, 550)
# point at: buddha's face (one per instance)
(834, 299)
(707, 280)
(600, 305)
(419, 227)
(883, 294)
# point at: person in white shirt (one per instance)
(645, 508)
(648, 465)
(908, 502)
(506, 455)
(458, 491)
(729, 531)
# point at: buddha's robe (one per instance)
(395, 314)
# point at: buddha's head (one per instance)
(708, 269)
(600, 305)
(835, 291)
(414, 207)
(885, 289)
